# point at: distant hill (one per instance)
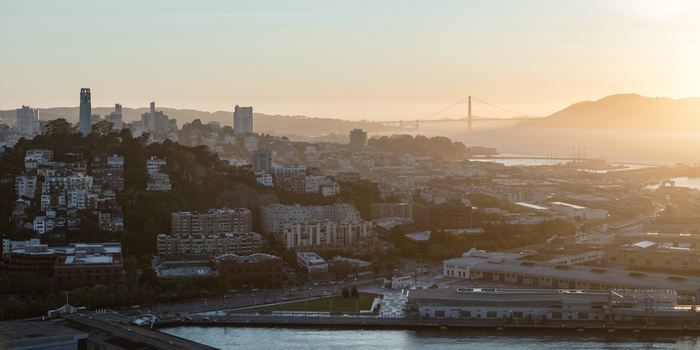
(627, 111)
(264, 123)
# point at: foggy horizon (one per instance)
(348, 61)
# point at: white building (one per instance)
(158, 182)
(274, 216)
(578, 212)
(9, 245)
(154, 164)
(264, 179)
(312, 262)
(79, 182)
(42, 224)
(27, 121)
(25, 186)
(325, 233)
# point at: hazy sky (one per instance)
(352, 59)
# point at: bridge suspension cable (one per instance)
(444, 109)
(499, 107)
(474, 99)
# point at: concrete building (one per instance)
(243, 120)
(542, 305)
(324, 234)
(510, 268)
(312, 262)
(358, 139)
(578, 212)
(9, 245)
(243, 243)
(157, 181)
(265, 180)
(391, 210)
(27, 121)
(154, 164)
(652, 256)
(89, 264)
(116, 117)
(290, 178)
(25, 186)
(85, 112)
(214, 221)
(262, 161)
(274, 216)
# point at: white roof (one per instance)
(644, 244)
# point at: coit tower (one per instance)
(85, 111)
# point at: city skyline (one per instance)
(361, 61)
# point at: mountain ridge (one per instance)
(627, 111)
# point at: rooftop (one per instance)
(572, 206)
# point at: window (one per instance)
(491, 314)
(517, 314)
(439, 313)
(465, 314)
(583, 315)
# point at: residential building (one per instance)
(27, 121)
(324, 234)
(214, 221)
(274, 216)
(243, 243)
(358, 139)
(154, 164)
(290, 178)
(25, 186)
(262, 161)
(116, 117)
(391, 210)
(242, 120)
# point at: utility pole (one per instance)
(469, 115)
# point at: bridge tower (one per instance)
(469, 115)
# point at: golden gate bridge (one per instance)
(415, 123)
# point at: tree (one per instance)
(346, 293)
(103, 127)
(59, 126)
(354, 293)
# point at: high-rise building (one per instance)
(243, 120)
(262, 160)
(157, 121)
(85, 112)
(358, 139)
(116, 117)
(27, 120)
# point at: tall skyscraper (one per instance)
(116, 117)
(242, 120)
(262, 160)
(358, 139)
(27, 120)
(85, 112)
